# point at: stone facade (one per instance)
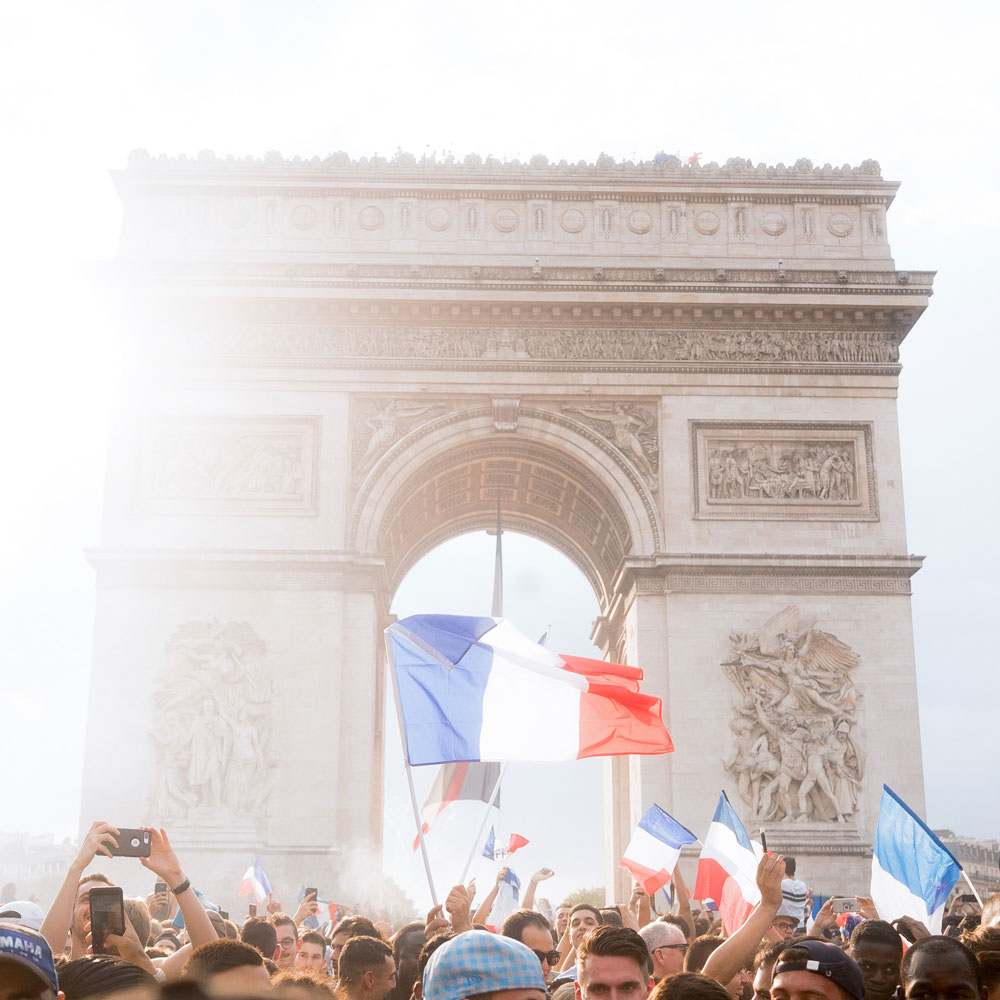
(683, 377)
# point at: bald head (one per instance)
(666, 946)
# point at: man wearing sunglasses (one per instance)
(666, 946)
(532, 929)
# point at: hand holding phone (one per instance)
(132, 843)
(107, 916)
(845, 904)
(252, 910)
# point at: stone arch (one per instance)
(557, 480)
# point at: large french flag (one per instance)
(912, 871)
(477, 689)
(727, 868)
(652, 853)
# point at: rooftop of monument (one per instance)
(663, 167)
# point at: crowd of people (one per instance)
(176, 948)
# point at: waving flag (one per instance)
(454, 781)
(474, 688)
(505, 903)
(652, 853)
(516, 841)
(490, 847)
(727, 868)
(912, 871)
(255, 882)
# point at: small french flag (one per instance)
(912, 871)
(256, 883)
(727, 868)
(652, 853)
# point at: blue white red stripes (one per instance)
(727, 868)
(912, 871)
(472, 688)
(652, 853)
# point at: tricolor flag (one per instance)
(912, 871)
(475, 688)
(506, 900)
(652, 853)
(465, 780)
(256, 882)
(727, 868)
(516, 841)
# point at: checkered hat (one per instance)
(829, 961)
(480, 962)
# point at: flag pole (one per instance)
(497, 610)
(409, 776)
(973, 888)
(482, 826)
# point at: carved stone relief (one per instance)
(548, 343)
(794, 753)
(783, 470)
(235, 465)
(379, 424)
(212, 719)
(632, 429)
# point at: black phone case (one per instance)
(107, 916)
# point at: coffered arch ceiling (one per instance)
(442, 485)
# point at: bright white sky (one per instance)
(912, 84)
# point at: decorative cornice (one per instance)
(474, 167)
(237, 569)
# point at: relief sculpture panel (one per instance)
(212, 722)
(795, 756)
(379, 424)
(229, 465)
(783, 470)
(632, 429)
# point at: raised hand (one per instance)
(501, 875)
(459, 906)
(128, 947)
(96, 841)
(307, 908)
(866, 907)
(770, 872)
(824, 918)
(162, 859)
(273, 906)
(542, 874)
(435, 922)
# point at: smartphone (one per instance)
(845, 904)
(131, 844)
(904, 931)
(311, 891)
(107, 916)
(160, 887)
(763, 840)
(252, 910)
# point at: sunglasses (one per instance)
(669, 947)
(552, 957)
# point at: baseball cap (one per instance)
(28, 948)
(23, 911)
(480, 962)
(826, 960)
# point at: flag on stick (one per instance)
(727, 868)
(912, 871)
(652, 853)
(516, 841)
(256, 883)
(470, 688)
(458, 780)
(506, 900)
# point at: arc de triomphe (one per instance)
(684, 377)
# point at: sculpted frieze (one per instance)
(228, 464)
(812, 470)
(379, 424)
(548, 343)
(212, 722)
(795, 754)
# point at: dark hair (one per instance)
(313, 937)
(688, 986)
(514, 925)
(259, 933)
(619, 942)
(611, 915)
(356, 926)
(789, 866)
(280, 918)
(396, 941)
(360, 955)
(220, 956)
(876, 932)
(699, 950)
(702, 925)
(99, 976)
(95, 877)
(232, 931)
(936, 946)
(429, 948)
(586, 906)
(767, 954)
(678, 921)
